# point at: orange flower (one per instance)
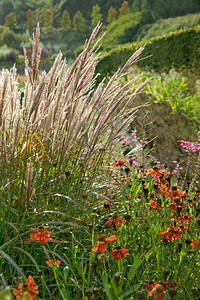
(119, 252)
(53, 262)
(119, 163)
(159, 290)
(174, 192)
(101, 245)
(172, 233)
(41, 234)
(154, 171)
(196, 244)
(29, 288)
(176, 203)
(115, 219)
(154, 205)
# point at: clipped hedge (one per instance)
(174, 50)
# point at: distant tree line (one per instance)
(67, 13)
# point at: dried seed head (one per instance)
(95, 291)
(117, 277)
(94, 265)
(166, 274)
(172, 293)
(39, 273)
(124, 284)
(178, 249)
(127, 170)
(179, 209)
(141, 296)
(87, 293)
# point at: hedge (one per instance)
(174, 50)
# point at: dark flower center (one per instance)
(174, 187)
(118, 248)
(101, 237)
(155, 168)
(41, 229)
(25, 287)
(115, 216)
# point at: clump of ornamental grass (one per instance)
(61, 122)
(56, 135)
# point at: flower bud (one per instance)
(117, 278)
(166, 274)
(172, 293)
(141, 296)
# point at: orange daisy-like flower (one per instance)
(154, 205)
(159, 290)
(119, 252)
(29, 288)
(115, 219)
(53, 263)
(101, 245)
(119, 163)
(155, 172)
(176, 203)
(174, 192)
(172, 233)
(196, 244)
(41, 234)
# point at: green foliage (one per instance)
(173, 89)
(11, 20)
(65, 20)
(174, 50)
(124, 9)
(4, 50)
(79, 21)
(6, 6)
(112, 13)
(10, 38)
(164, 26)
(30, 19)
(123, 30)
(48, 19)
(96, 16)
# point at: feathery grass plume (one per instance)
(63, 114)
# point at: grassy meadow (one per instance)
(87, 210)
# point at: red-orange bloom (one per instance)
(101, 245)
(119, 252)
(119, 163)
(196, 244)
(115, 219)
(154, 205)
(172, 233)
(41, 234)
(159, 290)
(155, 172)
(29, 288)
(176, 203)
(174, 192)
(53, 262)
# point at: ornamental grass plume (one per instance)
(62, 113)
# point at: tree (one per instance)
(112, 13)
(30, 19)
(96, 15)
(48, 19)
(79, 21)
(124, 9)
(11, 20)
(65, 20)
